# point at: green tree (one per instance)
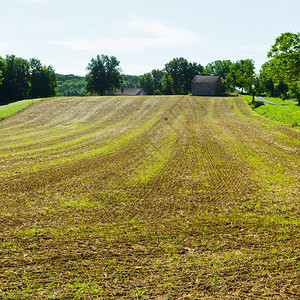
(167, 84)
(286, 55)
(104, 75)
(182, 72)
(157, 76)
(294, 90)
(266, 80)
(16, 79)
(255, 87)
(151, 82)
(70, 85)
(130, 81)
(285, 62)
(242, 74)
(146, 83)
(43, 79)
(270, 83)
(2, 69)
(220, 68)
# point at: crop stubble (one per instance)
(153, 197)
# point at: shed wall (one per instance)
(207, 89)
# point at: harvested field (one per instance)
(150, 197)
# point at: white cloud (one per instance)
(142, 35)
(164, 35)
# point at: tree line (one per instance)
(25, 79)
(279, 76)
(70, 85)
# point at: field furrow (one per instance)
(149, 197)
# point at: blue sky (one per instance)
(143, 35)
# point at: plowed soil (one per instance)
(151, 197)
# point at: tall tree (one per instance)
(2, 69)
(151, 82)
(16, 79)
(286, 55)
(182, 72)
(266, 80)
(70, 85)
(104, 75)
(270, 81)
(167, 84)
(220, 68)
(285, 62)
(43, 79)
(146, 83)
(242, 74)
(157, 80)
(130, 81)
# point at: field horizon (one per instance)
(148, 197)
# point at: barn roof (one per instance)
(210, 79)
(129, 91)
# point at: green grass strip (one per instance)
(13, 108)
(288, 115)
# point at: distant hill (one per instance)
(73, 85)
(70, 85)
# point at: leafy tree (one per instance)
(285, 62)
(104, 75)
(16, 79)
(266, 80)
(220, 68)
(2, 69)
(286, 55)
(242, 74)
(157, 76)
(146, 83)
(130, 81)
(255, 87)
(62, 78)
(151, 82)
(22, 79)
(182, 72)
(71, 85)
(294, 90)
(270, 83)
(43, 79)
(167, 84)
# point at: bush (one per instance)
(255, 104)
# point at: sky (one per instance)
(143, 35)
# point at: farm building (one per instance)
(130, 92)
(206, 85)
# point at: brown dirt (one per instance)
(152, 197)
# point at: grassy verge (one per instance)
(288, 115)
(12, 108)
